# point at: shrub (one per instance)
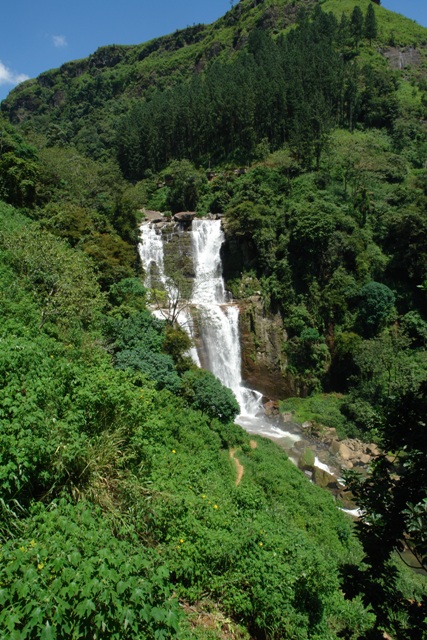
(205, 392)
(71, 578)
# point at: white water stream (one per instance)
(218, 319)
(151, 253)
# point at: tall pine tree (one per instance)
(356, 25)
(371, 27)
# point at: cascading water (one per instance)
(217, 319)
(152, 257)
(212, 317)
(151, 253)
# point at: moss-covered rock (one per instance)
(306, 460)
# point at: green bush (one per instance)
(157, 366)
(205, 392)
(70, 577)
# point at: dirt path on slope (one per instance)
(239, 467)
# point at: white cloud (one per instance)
(59, 41)
(10, 77)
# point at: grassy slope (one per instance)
(405, 31)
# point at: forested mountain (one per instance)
(304, 124)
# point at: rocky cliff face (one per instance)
(264, 364)
(263, 360)
(403, 57)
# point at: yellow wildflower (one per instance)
(40, 566)
(215, 506)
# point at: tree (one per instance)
(186, 185)
(156, 366)
(205, 392)
(19, 178)
(371, 27)
(114, 257)
(393, 500)
(356, 25)
(127, 296)
(375, 306)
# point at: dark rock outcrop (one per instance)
(401, 57)
(263, 361)
(184, 217)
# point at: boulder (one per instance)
(153, 216)
(330, 432)
(346, 500)
(184, 216)
(344, 451)
(306, 460)
(335, 447)
(271, 408)
(324, 479)
(329, 435)
(373, 449)
(347, 464)
(365, 459)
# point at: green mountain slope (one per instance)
(85, 95)
(120, 516)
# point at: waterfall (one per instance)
(217, 318)
(210, 318)
(151, 253)
(209, 314)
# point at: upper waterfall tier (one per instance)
(151, 253)
(207, 238)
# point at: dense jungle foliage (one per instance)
(120, 517)
(118, 499)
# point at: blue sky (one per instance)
(37, 36)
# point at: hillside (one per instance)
(303, 124)
(84, 98)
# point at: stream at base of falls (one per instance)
(212, 320)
